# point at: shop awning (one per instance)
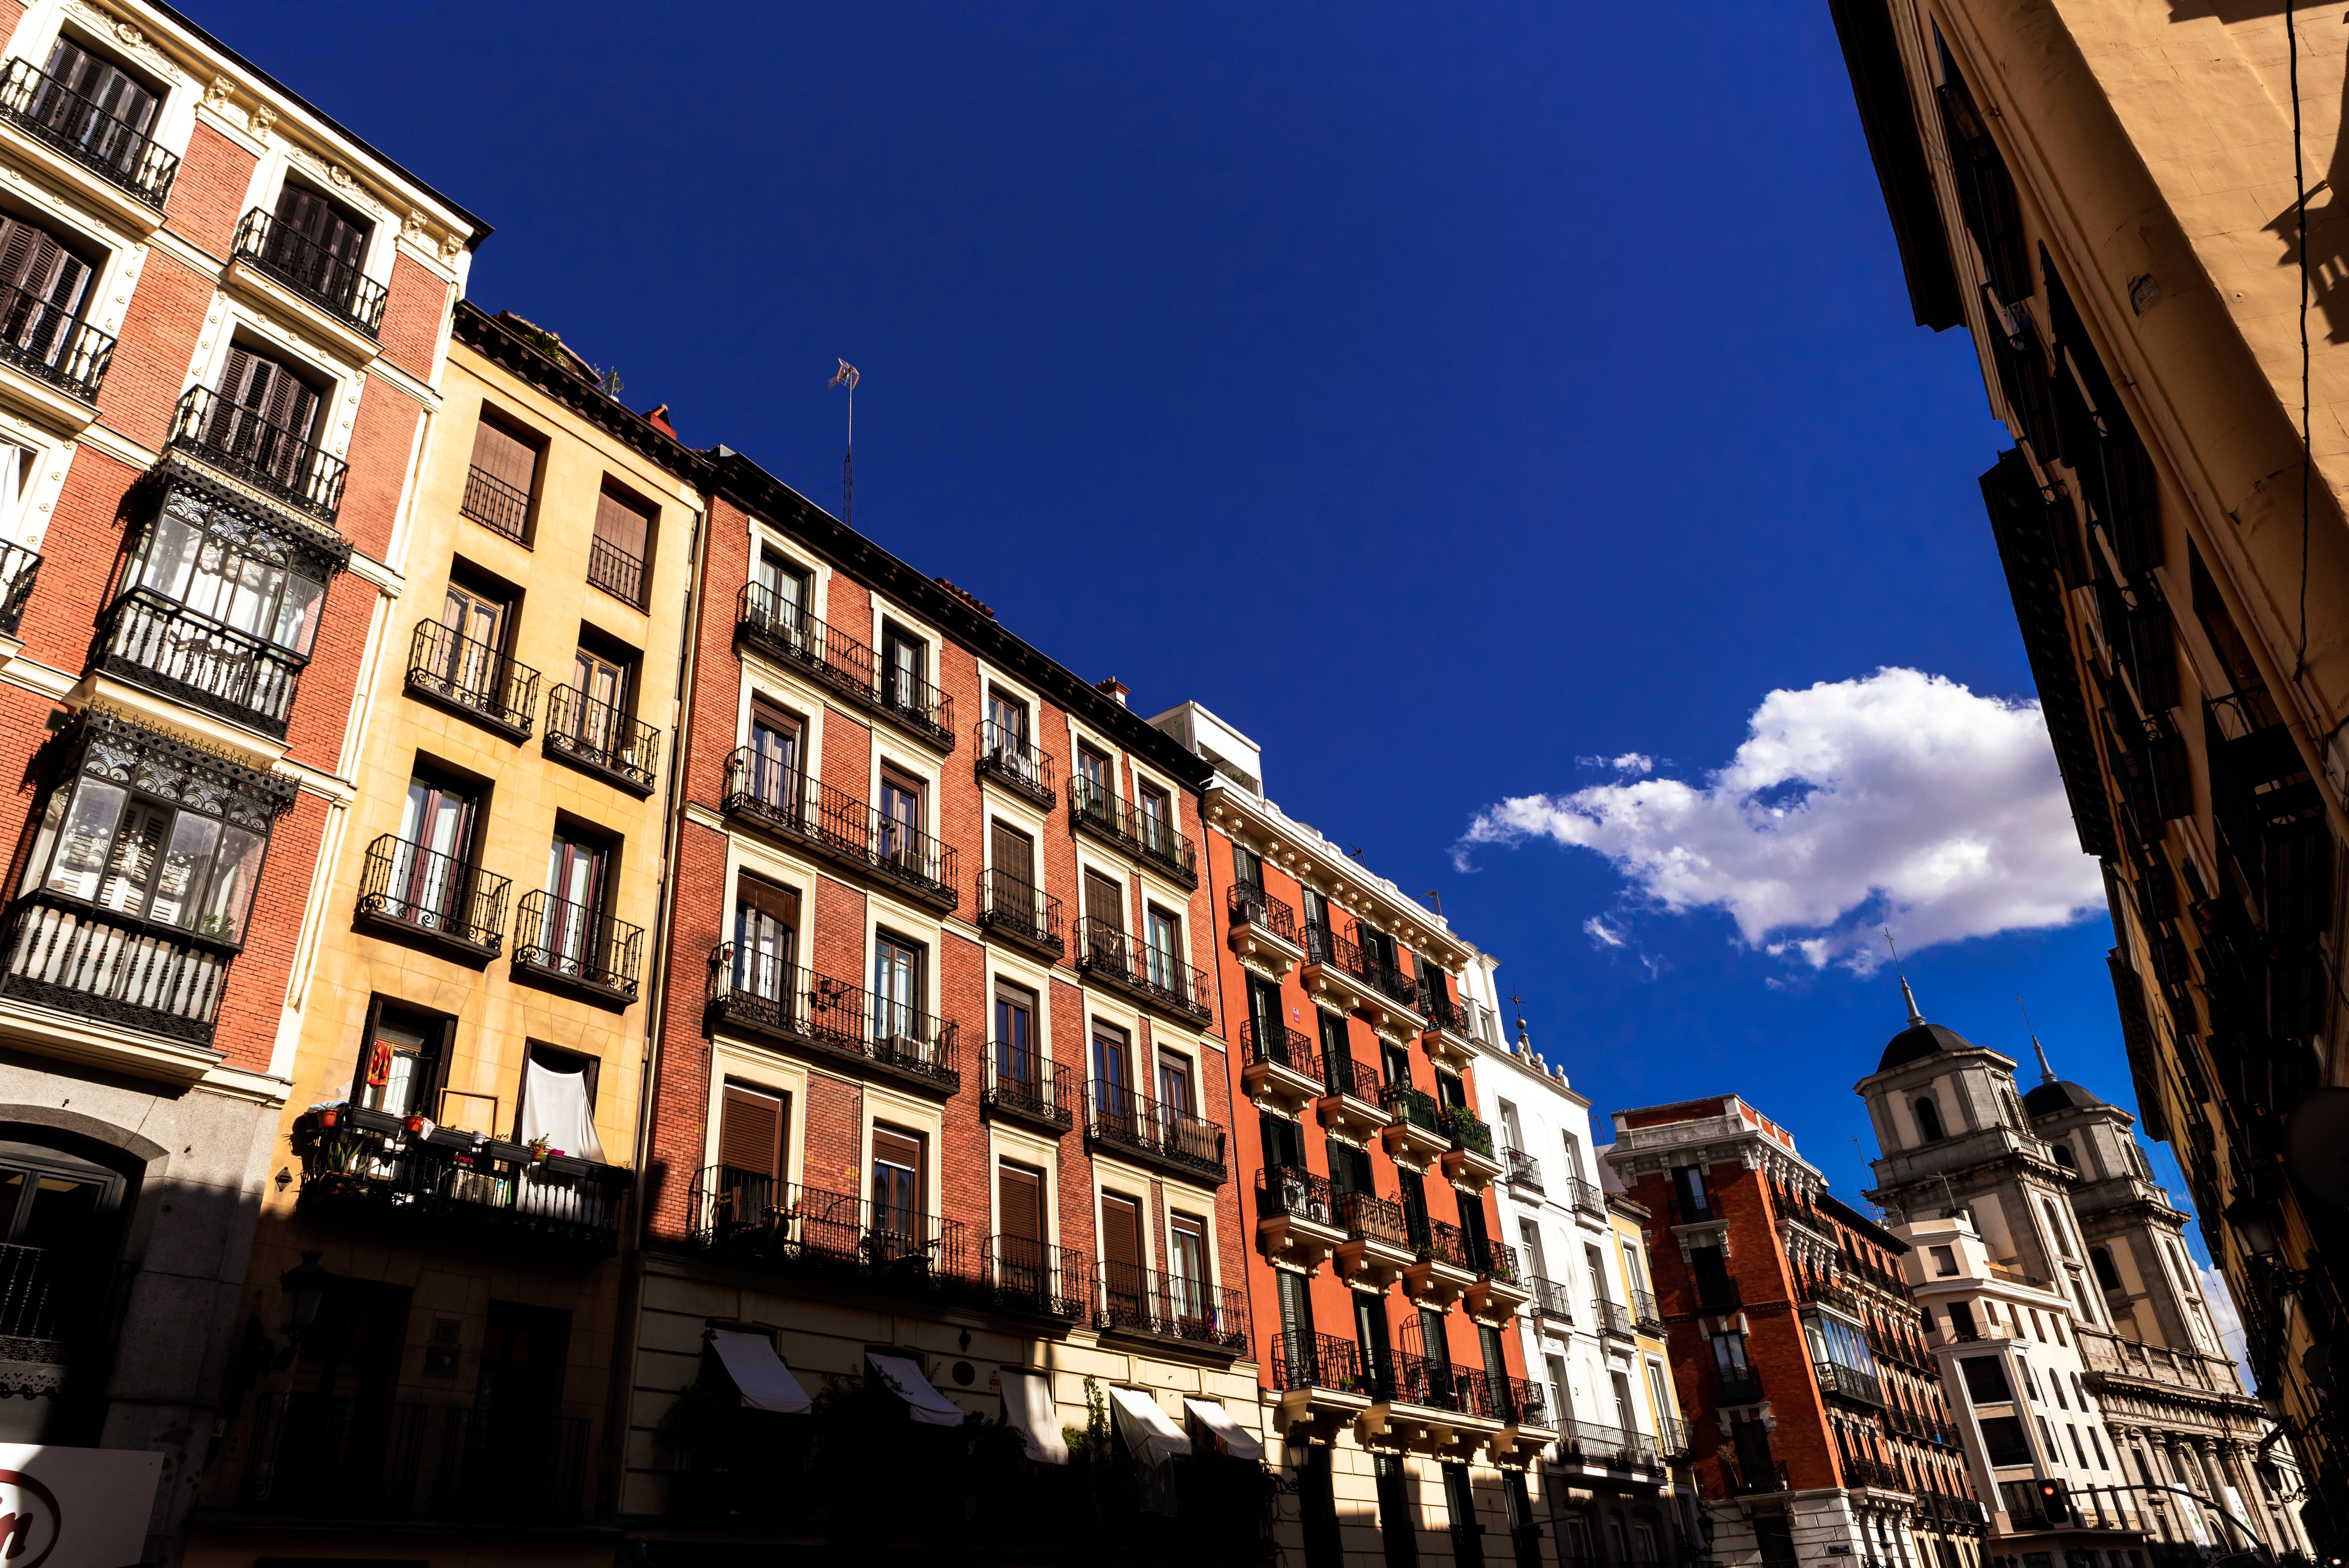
(1145, 1428)
(906, 1381)
(1239, 1442)
(766, 1383)
(1028, 1406)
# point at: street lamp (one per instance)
(305, 1286)
(2255, 1226)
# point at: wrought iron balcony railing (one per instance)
(1673, 1437)
(473, 678)
(1748, 1480)
(847, 831)
(1644, 1313)
(1619, 1446)
(407, 885)
(1355, 1078)
(1020, 912)
(1441, 1012)
(1116, 1115)
(1251, 906)
(1497, 1261)
(1587, 1196)
(1551, 1299)
(1612, 1319)
(600, 737)
(1005, 755)
(239, 441)
(578, 943)
(1525, 1171)
(115, 969)
(1151, 974)
(1170, 1306)
(1152, 839)
(749, 1217)
(780, 625)
(19, 569)
(1738, 1385)
(1438, 1242)
(1281, 1047)
(1441, 1386)
(1318, 1361)
(1323, 945)
(1027, 1084)
(1519, 1402)
(1294, 1191)
(1468, 1130)
(617, 571)
(75, 125)
(162, 643)
(1406, 1104)
(755, 990)
(1025, 1276)
(1367, 1217)
(495, 504)
(324, 279)
(1718, 1294)
(45, 341)
(1875, 1473)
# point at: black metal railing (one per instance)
(1295, 1192)
(1644, 1313)
(781, 624)
(1318, 1361)
(1026, 1083)
(410, 885)
(1622, 1448)
(1412, 1106)
(43, 339)
(1252, 906)
(370, 1168)
(310, 270)
(1280, 1046)
(1171, 1306)
(1105, 952)
(1519, 1401)
(19, 569)
(322, 1455)
(1024, 1274)
(1004, 754)
(756, 990)
(160, 643)
(116, 969)
(1098, 810)
(1020, 910)
(1325, 946)
(495, 504)
(238, 440)
(1875, 1473)
(1613, 1318)
(1739, 1384)
(1497, 1261)
(472, 675)
(1586, 1195)
(1436, 1384)
(577, 943)
(1551, 1298)
(1525, 1171)
(36, 1297)
(1116, 1114)
(850, 829)
(603, 737)
(1441, 1012)
(1438, 1242)
(75, 125)
(1747, 1480)
(748, 1215)
(1355, 1078)
(617, 571)
(1468, 1130)
(1367, 1217)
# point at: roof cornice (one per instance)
(510, 351)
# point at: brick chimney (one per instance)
(1112, 687)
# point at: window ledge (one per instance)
(344, 337)
(121, 206)
(62, 1035)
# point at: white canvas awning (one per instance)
(766, 1383)
(1028, 1406)
(1145, 1428)
(906, 1381)
(1239, 1442)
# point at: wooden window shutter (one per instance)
(1015, 853)
(900, 1149)
(504, 456)
(291, 405)
(621, 523)
(1295, 1311)
(1105, 900)
(1121, 1232)
(779, 903)
(750, 1131)
(1020, 1202)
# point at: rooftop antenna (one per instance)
(1438, 898)
(1915, 1017)
(2046, 1073)
(847, 375)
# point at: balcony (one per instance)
(1378, 1246)
(1415, 1135)
(48, 344)
(832, 1019)
(1282, 1073)
(1645, 1316)
(1161, 1305)
(1841, 1382)
(115, 970)
(1025, 1277)
(159, 644)
(1673, 1440)
(1026, 916)
(76, 131)
(330, 1456)
(314, 274)
(496, 505)
(1760, 1478)
(753, 1221)
(1616, 1448)
(1551, 1298)
(1296, 1223)
(1005, 756)
(779, 626)
(1353, 1110)
(1719, 1294)
(1320, 1382)
(280, 463)
(1263, 931)
(440, 898)
(1444, 1272)
(1337, 970)
(1875, 1476)
(617, 571)
(1469, 1164)
(1613, 1320)
(1586, 1197)
(1522, 1168)
(19, 569)
(1501, 1286)
(599, 739)
(1449, 1039)
(1135, 1126)
(843, 830)
(1519, 1402)
(1737, 1385)
(1436, 1385)
(1155, 843)
(373, 1170)
(1027, 1087)
(472, 679)
(577, 946)
(1157, 979)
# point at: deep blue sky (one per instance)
(1438, 394)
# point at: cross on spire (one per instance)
(1915, 1017)
(2046, 1073)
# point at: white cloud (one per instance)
(1897, 799)
(1633, 762)
(1602, 934)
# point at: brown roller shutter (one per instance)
(1121, 1252)
(781, 903)
(1105, 900)
(621, 523)
(1023, 1204)
(750, 1132)
(898, 1149)
(504, 456)
(1015, 853)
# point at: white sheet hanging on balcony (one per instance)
(555, 1107)
(1028, 1407)
(766, 1383)
(906, 1381)
(1239, 1442)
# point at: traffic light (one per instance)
(2054, 1503)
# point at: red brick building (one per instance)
(221, 328)
(1818, 1416)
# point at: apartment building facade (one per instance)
(2037, 1208)
(2108, 198)
(1393, 1380)
(1817, 1418)
(221, 341)
(456, 1158)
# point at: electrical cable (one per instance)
(2300, 211)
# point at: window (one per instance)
(575, 864)
(778, 598)
(1019, 1226)
(1157, 820)
(1297, 1342)
(1961, 1321)
(898, 1184)
(1945, 1262)
(218, 567)
(904, 666)
(2055, 1223)
(751, 1124)
(468, 655)
(1113, 1074)
(2096, 1439)
(1019, 1067)
(1009, 715)
(1450, 1091)
(1350, 1167)
(1121, 1245)
(901, 819)
(1175, 1083)
(1729, 1360)
(774, 764)
(1658, 1395)
(2037, 1331)
(402, 1059)
(1986, 1381)
(317, 245)
(1757, 1465)
(1168, 973)
(623, 542)
(1561, 1402)
(2063, 1155)
(1398, 1529)
(556, 1100)
(897, 987)
(1460, 1501)
(1247, 870)
(1573, 1155)
(504, 472)
(101, 109)
(1095, 790)
(2108, 1276)
(2005, 1441)
(263, 418)
(594, 719)
(1597, 1264)
(1928, 1120)
(1337, 1056)
(1316, 1504)
(429, 880)
(766, 939)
